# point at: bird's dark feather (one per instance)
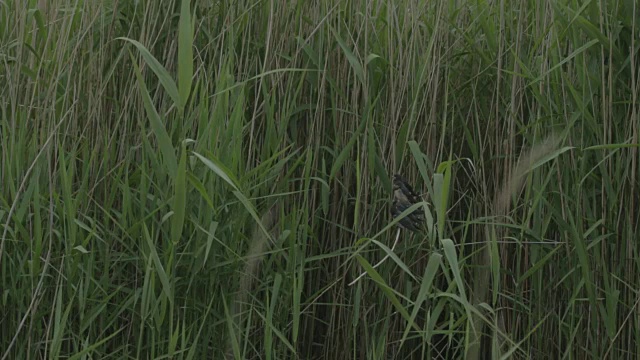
(400, 183)
(404, 197)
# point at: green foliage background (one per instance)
(201, 179)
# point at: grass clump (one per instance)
(193, 179)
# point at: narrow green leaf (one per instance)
(160, 71)
(538, 264)
(353, 60)
(452, 258)
(549, 157)
(180, 198)
(197, 184)
(438, 184)
(346, 150)
(87, 349)
(164, 279)
(430, 271)
(219, 169)
(210, 236)
(567, 59)
(375, 276)
(252, 211)
(81, 249)
(419, 158)
(185, 52)
(611, 146)
(395, 258)
(231, 331)
(164, 141)
(324, 190)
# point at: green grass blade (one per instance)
(180, 198)
(185, 52)
(160, 71)
(164, 141)
(162, 275)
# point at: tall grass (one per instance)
(204, 179)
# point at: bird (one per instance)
(403, 197)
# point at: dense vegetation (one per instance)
(201, 179)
